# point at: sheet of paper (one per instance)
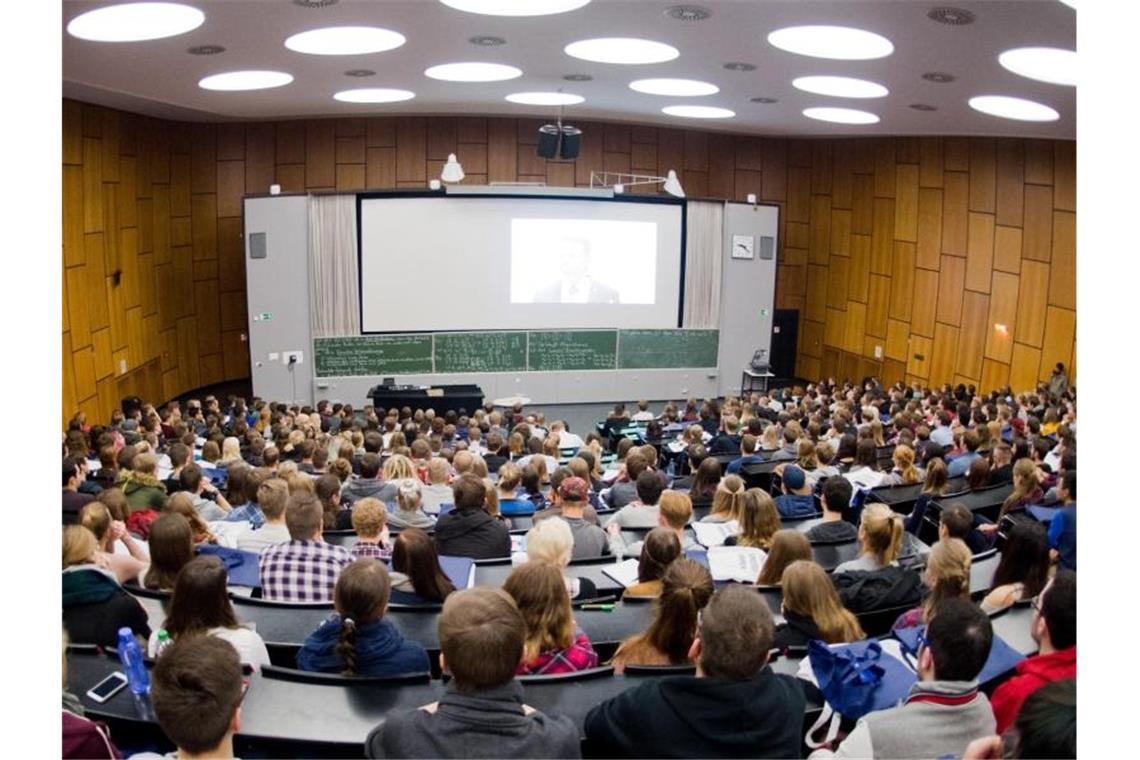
(736, 563)
(624, 573)
(714, 533)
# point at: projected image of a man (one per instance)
(575, 284)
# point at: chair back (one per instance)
(683, 669)
(336, 679)
(589, 674)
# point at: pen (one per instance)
(603, 607)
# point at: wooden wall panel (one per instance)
(891, 242)
(1003, 311)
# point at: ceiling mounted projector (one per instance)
(559, 141)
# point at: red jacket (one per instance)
(83, 738)
(1032, 674)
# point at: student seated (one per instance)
(357, 640)
(438, 490)
(196, 690)
(554, 643)
(482, 714)
(944, 711)
(1054, 628)
(726, 501)
(1023, 568)
(409, 511)
(1046, 726)
(201, 604)
(748, 455)
(370, 521)
(674, 512)
(469, 530)
(812, 609)
(571, 506)
(97, 518)
(1063, 528)
(272, 495)
(625, 490)
(735, 706)
(95, 606)
(686, 588)
(787, 546)
(796, 499)
(510, 479)
(833, 528)
(933, 489)
(416, 576)
(759, 521)
(957, 521)
(947, 576)
(660, 548)
(171, 546)
(705, 480)
(552, 542)
(880, 534)
(306, 568)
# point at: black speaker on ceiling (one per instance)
(548, 135)
(571, 142)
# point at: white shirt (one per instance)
(568, 440)
(267, 535)
(249, 645)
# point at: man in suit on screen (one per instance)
(575, 284)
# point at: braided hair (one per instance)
(360, 597)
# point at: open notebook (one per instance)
(715, 533)
(624, 573)
(736, 563)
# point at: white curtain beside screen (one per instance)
(334, 307)
(703, 243)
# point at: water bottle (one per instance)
(131, 656)
(162, 643)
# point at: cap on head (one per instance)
(793, 478)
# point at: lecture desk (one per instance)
(287, 718)
(442, 398)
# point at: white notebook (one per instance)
(712, 534)
(736, 563)
(624, 573)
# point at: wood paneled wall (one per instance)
(915, 245)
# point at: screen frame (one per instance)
(554, 195)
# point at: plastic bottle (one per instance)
(131, 656)
(163, 642)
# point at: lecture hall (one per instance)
(712, 365)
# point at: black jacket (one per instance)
(472, 533)
(723, 443)
(869, 590)
(796, 632)
(687, 716)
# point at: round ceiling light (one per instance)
(841, 115)
(1044, 64)
(840, 87)
(345, 40)
(1006, 107)
(233, 81)
(373, 95)
(473, 71)
(842, 43)
(625, 50)
(516, 8)
(675, 87)
(545, 98)
(699, 112)
(133, 22)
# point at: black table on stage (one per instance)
(441, 398)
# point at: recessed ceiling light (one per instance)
(675, 87)
(951, 16)
(205, 50)
(740, 66)
(1044, 64)
(622, 50)
(841, 115)
(838, 42)
(699, 112)
(473, 71)
(840, 87)
(545, 98)
(486, 40)
(374, 95)
(1006, 107)
(360, 73)
(922, 107)
(514, 7)
(133, 22)
(688, 13)
(940, 77)
(578, 77)
(233, 81)
(764, 100)
(345, 40)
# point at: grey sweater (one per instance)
(488, 723)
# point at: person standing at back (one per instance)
(482, 713)
(469, 530)
(735, 706)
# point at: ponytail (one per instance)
(346, 646)
(883, 532)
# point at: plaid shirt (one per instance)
(249, 512)
(301, 571)
(579, 656)
(370, 550)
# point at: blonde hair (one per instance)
(728, 497)
(882, 532)
(877, 433)
(805, 455)
(809, 592)
(759, 519)
(369, 516)
(904, 463)
(79, 545)
(231, 450)
(948, 567)
(509, 477)
(676, 507)
(409, 494)
(96, 518)
(399, 467)
(551, 541)
(540, 593)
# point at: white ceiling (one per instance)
(160, 78)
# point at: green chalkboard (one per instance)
(572, 350)
(641, 349)
(372, 355)
(480, 352)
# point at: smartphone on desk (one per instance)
(107, 688)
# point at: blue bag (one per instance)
(856, 679)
